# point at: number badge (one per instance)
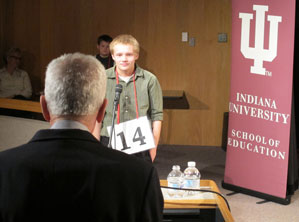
(133, 136)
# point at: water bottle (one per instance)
(175, 179)
(191, 178)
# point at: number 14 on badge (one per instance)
(133, 136)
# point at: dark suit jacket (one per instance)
(67, 175)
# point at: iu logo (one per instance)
(258, 53)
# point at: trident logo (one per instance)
(258, 53)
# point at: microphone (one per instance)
(118, 90)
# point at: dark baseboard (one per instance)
(264, 196)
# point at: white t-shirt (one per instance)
(126, 78)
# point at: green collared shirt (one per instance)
(149, 98)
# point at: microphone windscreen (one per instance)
(118, 88)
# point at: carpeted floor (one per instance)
(211, 162)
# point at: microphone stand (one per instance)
(112, 126)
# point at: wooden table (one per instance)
(214, 202)
(16, 104)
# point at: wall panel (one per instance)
(2, 27)
(21, 29)
(203, 71)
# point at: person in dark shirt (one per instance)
(104, 55)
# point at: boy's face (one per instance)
(103, 48)
(124, 58)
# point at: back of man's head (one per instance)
(75, 85)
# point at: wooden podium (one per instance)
(209, 201)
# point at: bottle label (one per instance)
(192, 184)
(175, 185)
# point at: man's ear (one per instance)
(44, 107)
(101, 112)
(136, 56)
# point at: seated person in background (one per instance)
(64, 173)
(14, 82)
(104, 55)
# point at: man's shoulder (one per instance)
(24, 72)
(46, 136)
(49, 141)
(127, 160)
(10, 155)
(20, 73)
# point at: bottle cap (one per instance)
(191, 164)
(176, 167)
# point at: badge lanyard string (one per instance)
(135, 93)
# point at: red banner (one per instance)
(261, 93)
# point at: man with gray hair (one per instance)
(64, 173)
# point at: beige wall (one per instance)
(48, 28)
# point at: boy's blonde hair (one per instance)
(125, 40)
